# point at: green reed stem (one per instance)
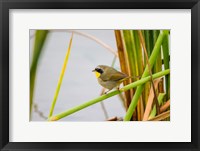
(60, 78)
(166, 58)
(40, 37)
(108, 95)
(160, 100)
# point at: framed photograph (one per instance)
(99, 75)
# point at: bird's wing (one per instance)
(114, 77)
(118, 76)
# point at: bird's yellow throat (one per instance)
(97, 74)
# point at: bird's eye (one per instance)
(99, 70)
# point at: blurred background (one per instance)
(79, 84)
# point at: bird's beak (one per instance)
(93, 70)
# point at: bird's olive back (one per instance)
(110, 73)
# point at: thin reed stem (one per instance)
(147, 59)
(61, 78)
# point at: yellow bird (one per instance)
(108, 77)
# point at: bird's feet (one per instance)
(109, 90)
(106, 92)
(120, 90)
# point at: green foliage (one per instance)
(40, 37)
(140, 88)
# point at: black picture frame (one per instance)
(5, 5)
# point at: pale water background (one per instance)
(79, 83)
